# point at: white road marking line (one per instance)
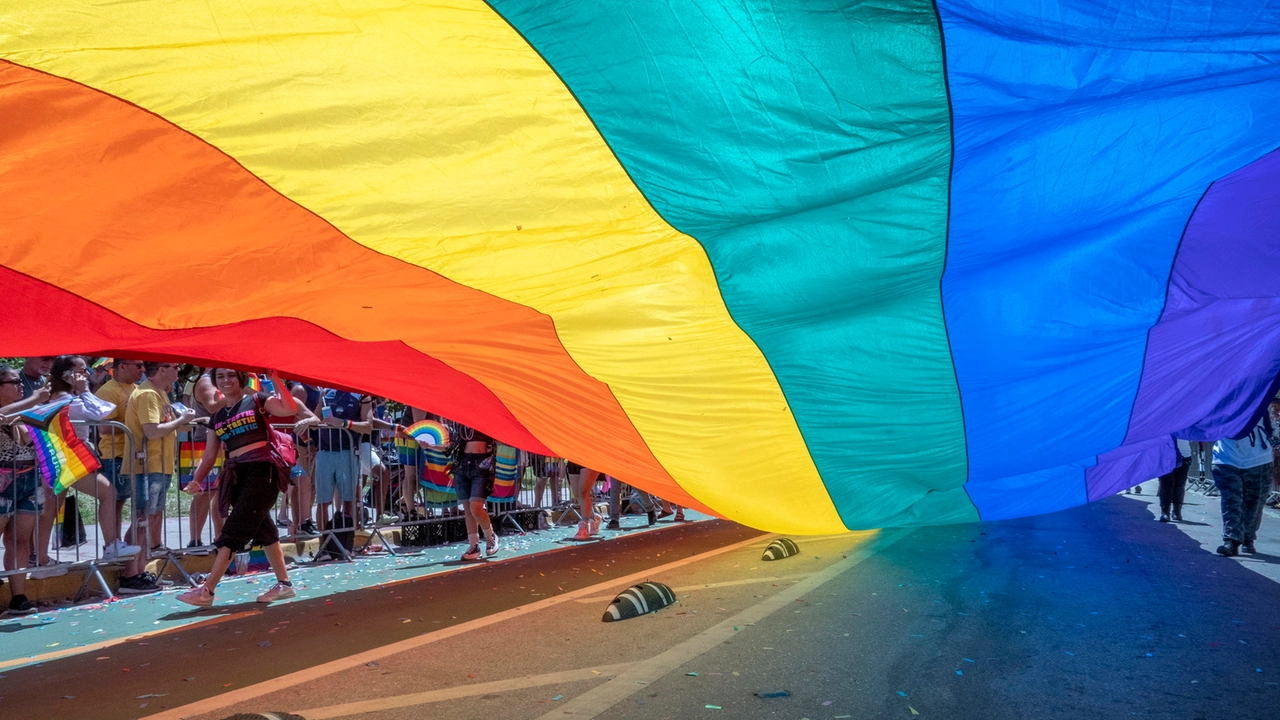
(218, 702)
(640, 675)
(602, 672)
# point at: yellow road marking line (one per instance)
(218, 702)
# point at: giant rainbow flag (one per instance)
(62, 458)
(810, 265)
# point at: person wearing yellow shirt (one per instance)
(112, 445)
(151, 419)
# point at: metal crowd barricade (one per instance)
(90, 563)
(329, 541)
(191, 451)
(541, 488)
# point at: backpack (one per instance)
(346, 537)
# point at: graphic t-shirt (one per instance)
(344, 406)
(150, 405)
(112, 445)
(242, 425)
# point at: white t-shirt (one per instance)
(1250, 451)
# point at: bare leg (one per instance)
(9, 532)
(306, 483)
(44, 528)
(100, 488)
(275, 556)
(220, 565)
(472, 524)
(589, 478)
(306, 496)
(539, 487)
(477, 515)
(199, 513)
(282, 510)
(25, 524)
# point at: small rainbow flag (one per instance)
(63, 458)
(253, 384)
(429, 432)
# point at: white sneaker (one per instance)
(118, 550)
(491, 545)
(584, 533)
(278, 591)
(198, 596)
(594, 525)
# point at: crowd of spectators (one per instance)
(180, 414)
(223, 418)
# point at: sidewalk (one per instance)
(67, 631)
(1202, 522)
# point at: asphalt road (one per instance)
(1096, 612)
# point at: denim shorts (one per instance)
(470, 481)
(120, 481)
(156, 486)
(24, 494)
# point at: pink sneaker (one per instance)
(279, 591)
(198, 596)
(584, 533)
(595, 524)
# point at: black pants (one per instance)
(252, 499)
(1173, 486)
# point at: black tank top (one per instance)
(243, 424)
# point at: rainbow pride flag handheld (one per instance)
(506, 472)
(253, 384)
(63, 458)
(429, 431)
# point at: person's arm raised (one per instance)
(282, 403)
